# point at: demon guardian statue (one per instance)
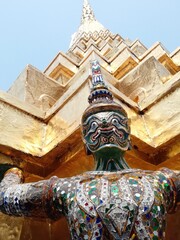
(111, 202)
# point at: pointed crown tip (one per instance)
(99, 91)
(100, 98)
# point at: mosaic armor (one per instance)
(128, 204)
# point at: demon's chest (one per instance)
(107, 206)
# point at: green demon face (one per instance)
(106, 129)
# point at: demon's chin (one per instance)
(108, 147)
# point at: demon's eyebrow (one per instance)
(90, 119)
(114, 114)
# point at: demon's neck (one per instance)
(110, 159)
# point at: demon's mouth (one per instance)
(107, 132)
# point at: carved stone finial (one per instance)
(87, 13)
(89, 25)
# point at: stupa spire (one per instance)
(89, 25)
(87, 13)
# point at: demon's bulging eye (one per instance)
(94, 125)
(115, 121)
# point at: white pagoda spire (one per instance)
(89, 24)
(87, 13)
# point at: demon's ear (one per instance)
(88, 152)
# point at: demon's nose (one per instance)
(104, 123)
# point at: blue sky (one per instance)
(34, 31)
